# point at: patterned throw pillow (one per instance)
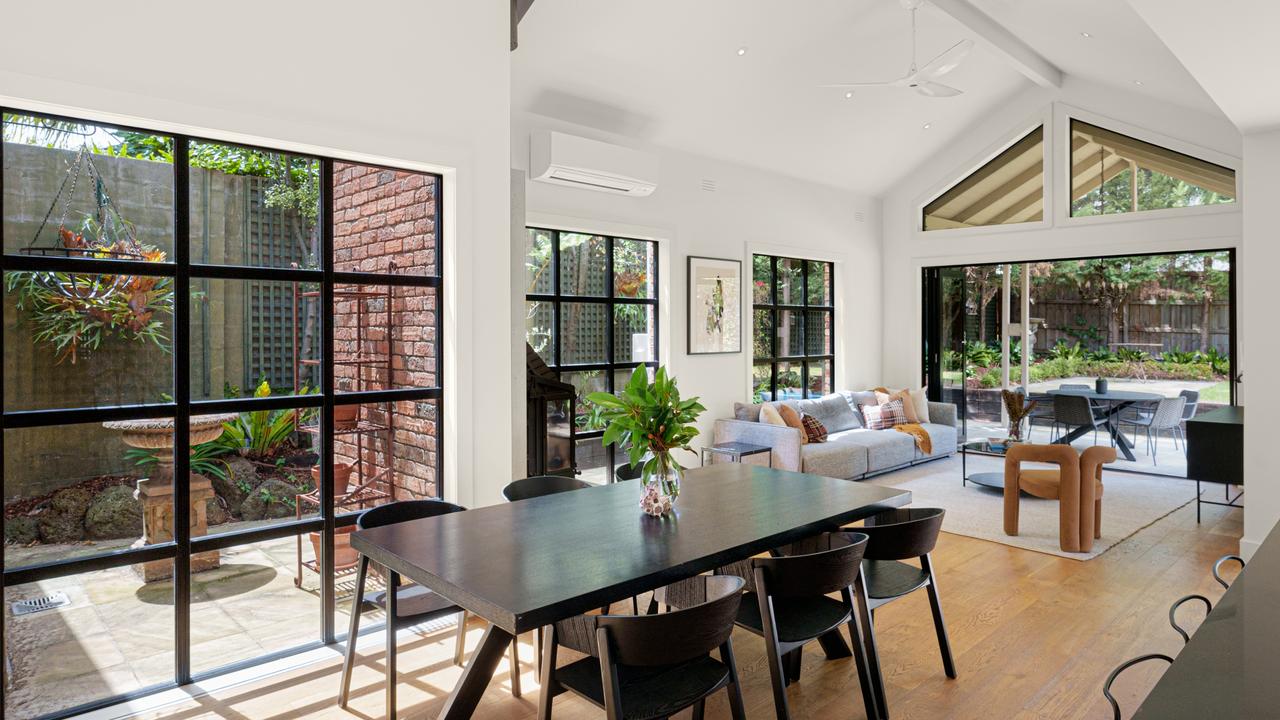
(814, 430)
(884, 417)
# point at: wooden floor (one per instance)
(1033, 635)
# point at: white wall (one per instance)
(751, 211)
(1262, 383)
(907, 249)
(381, 81)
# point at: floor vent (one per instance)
(38, 604)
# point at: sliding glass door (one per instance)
(1161, 325)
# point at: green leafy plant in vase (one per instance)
(651, 420)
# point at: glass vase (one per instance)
(663, 487)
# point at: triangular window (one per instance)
(1113, 173)
(1007, 190)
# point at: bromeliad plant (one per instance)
(261, 434)
(650, 419)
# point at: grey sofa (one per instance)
(851, 451)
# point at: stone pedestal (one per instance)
(156, 492)
(156, 495)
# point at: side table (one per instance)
(735, 451)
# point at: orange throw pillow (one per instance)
(792, 418)
(908, 405)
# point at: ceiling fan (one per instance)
(922, 80)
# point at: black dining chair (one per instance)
(894, 536)
(405, 606)
(788, 604)
(1217, 569)
(650, 666)
(540, 485)
(625, 472)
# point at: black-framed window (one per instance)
(166, 278)
(793, 328)
(591, 313)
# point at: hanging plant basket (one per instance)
(74, 313)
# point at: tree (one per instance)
(985, 281)
(1111, 282)
(1203, 278)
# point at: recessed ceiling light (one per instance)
(928, 125)
(742, 51)
(1086, 35)
(848, 95)
(1137, 82)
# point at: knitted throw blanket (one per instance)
(921, 436)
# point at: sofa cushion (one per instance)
(943, 438)
(833, 459)
(791, 416)
(857, 399)
(769, 415)
(747, 411)
(884, 417)
(833, 412)
(885, 448)
(814, 430)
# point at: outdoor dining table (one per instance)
(527, 564)
(1117, 401)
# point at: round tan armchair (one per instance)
(1076, 484)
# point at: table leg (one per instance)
(834, 646)
(475, 678)
(1113, 427)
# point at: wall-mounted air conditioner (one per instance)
(579, 162)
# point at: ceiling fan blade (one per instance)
(947, 61)
(858, 85)
(933, 89)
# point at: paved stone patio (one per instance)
(117, 634)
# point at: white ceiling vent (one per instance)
(709, 185)
(587, 164)
(859, 216)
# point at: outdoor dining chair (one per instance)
(1073, 411)
(1167, 415)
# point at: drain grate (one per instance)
(38, 604)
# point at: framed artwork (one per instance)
(715, 306)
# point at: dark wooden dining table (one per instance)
(1116, 402)
(527, 564)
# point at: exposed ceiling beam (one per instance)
(1009, 46)
(1029, 201)
(518, 10)
(1028, 143)
(1001, 193)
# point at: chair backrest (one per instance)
(626, 472)
(1072, 409)
(1168, 412)
(819, 565)
(404, 511)
(902, 533)
(540, 485)
(676, 636)
(1193, 399)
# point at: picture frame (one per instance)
(714, 306)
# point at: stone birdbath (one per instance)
(156, 492)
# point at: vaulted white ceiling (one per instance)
(667, 72)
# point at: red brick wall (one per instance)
(385, 222)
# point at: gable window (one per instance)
(793, 328)
(1113, 173)
(591, 314)
(1007, 190)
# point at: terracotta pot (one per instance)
(346, 417)
(341, 477)
(344, 556)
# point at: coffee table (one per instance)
(982, 446)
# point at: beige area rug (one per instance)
(1130, 502)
